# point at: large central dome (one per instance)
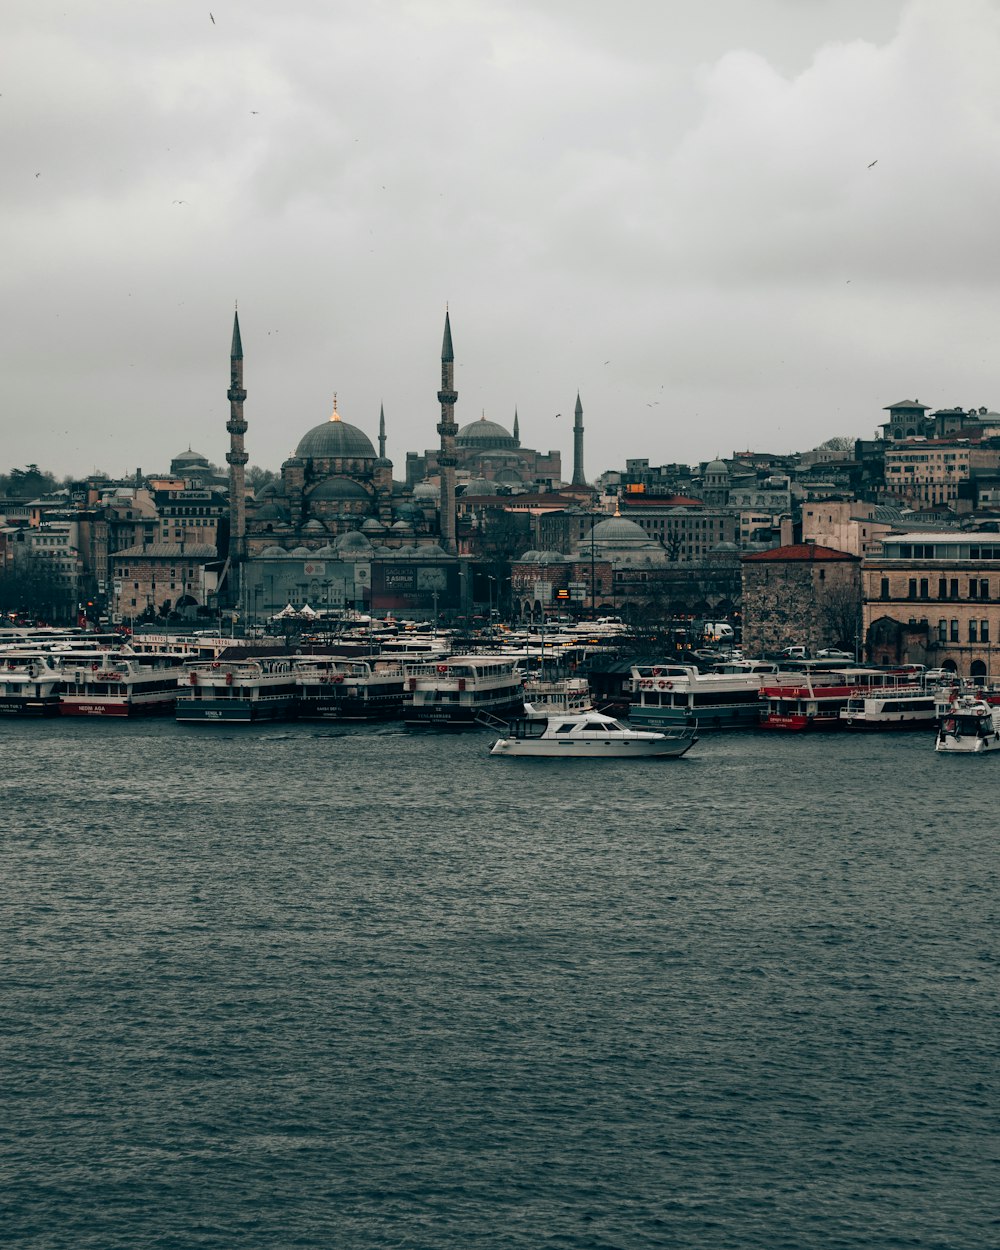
(483, 434)
(335, 438)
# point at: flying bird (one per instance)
(213, 19)
(558, 415)
(39, 174)
(874, 162)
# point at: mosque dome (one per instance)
(190, 457)
(484, 435)
(480, 486)
(339, 487)
(372, 525)
(335, 438)
(717, 466)
(426, 490)
(617, 529)
(274, 550)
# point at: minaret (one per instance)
(381, 432)
(447, 428)
(236, 457)
(516, 431)
(578, 476)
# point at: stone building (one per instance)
(163, 578)
(800, 594)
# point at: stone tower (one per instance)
(578, 475)
(236, 456)
(447, 428)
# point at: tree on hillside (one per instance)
(839, 442)
(27, 482)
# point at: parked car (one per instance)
(795, 652)
(831, 653)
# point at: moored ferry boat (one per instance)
(363, 689)
(900, 707)
(113, 684)
(680, 694)
(452, 693)
(237, 692)
(971, 726)
(813, 699)
(29, 685)
(558, 694)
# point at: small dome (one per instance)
(190, 457)
(268, 490)
(371, 525)
(274, 550)
(717, 466)
(426, 490)
(300, 551)
(481, 486)
(339, 488)
(328, 552)
(270, 512)
(312, 525)
(401, 527)
(617, 529)
(484, 434)
(354, 540)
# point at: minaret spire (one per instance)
(578, 475)
(516, 431)
(447, 429)
(381, 431)
(236, 456)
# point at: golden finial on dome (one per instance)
(335, 415)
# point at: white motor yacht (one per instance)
(550, 734)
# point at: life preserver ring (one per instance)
(215, 664)
(646, 684)
(664, 685)
(94, 667)
(337, 678)
(669, 685)
(657, 671)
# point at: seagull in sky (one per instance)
(874, 162)
(213, 19)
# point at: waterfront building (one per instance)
(163, 578)
(933, 597)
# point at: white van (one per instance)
(719, 631)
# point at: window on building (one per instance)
(912, 589)
(954, 631)
(973, 587)
(954, 588)
(942, 588)
(972, 631)
(984, 588)
(984, 631)
(924, 592)
(885, 588)
(942, 631)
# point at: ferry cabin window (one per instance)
(564, 729)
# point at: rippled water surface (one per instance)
(292, 986)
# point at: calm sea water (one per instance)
(297, 987)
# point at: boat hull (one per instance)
(234, 711)
(631, 750)
(724, 716)
(15, 706)
(98, 706)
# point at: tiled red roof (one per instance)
(799, 552)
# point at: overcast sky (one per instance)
(729, 223)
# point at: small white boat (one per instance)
(588, 735)
(969, 726)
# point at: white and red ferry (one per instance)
(118, 684)
(814, 698)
